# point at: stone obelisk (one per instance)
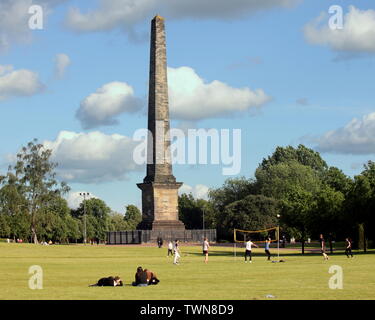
(159, 187)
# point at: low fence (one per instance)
(148, 236)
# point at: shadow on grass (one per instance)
(308, 252)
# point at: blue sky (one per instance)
(319, 83)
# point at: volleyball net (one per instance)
(256, 236)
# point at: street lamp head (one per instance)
(278, 215)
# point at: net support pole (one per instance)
(234, 244)
(278, 242)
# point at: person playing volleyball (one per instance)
(249, 244)
(267, 248)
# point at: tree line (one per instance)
(32, 206)
(296, 183)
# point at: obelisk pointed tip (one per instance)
(157, 17)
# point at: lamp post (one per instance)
(84, 195)
(204, 231)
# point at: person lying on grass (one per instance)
(108, 282)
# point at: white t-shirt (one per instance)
(170, 245)
(206, 245)
(248, 245)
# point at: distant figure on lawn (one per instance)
(176, 252)
(249, 243)
(170, 248)
(108, 282)
(348, 247)
(323, 247)
(267, 248)
(160, 242)
(206, 246)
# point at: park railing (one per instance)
(149, 236)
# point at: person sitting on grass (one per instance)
(140, 278)
(151, 277)
(108, 282)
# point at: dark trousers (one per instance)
(348, 251)
(268, 253)
(247, 254)
(170, 252)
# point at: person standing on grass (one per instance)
(249, 244)
(160, 242)
(170, 248)
(267, 248)
(176, 252)
(348, 247)
(323, 247)
(206, 246)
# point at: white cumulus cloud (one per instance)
(18, 83)
(101, 107)
(14, 20)
(356, 137)
(62, 61)
(92, 157)
(357, 34)
(191, 98)
(125, 14)
(199, 191)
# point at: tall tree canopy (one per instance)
(33, 179)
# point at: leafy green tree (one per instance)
(34, 178)
(234, 189)
(337, 180)
(254, 212)
(133, 216)
(191, 212)
(4, 226)
(73, 225)
(117, 222)
(278, 180)
(328, 215)
(296, 210)
(97, 218)
(301, 154)
(360, 203)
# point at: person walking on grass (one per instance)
(267, 248)
(348, 247)
(323, 247)
(249, 244)
(206, 246)
(170, 248)
(176, 252)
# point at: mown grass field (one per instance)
(68, 270)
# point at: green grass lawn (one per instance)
(68, 270)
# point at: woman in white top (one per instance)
(206, 246)
(176, 253)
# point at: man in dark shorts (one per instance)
(323, 247)
(248, 245)
(348, 247)
(267, 248)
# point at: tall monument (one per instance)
(159, 187)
